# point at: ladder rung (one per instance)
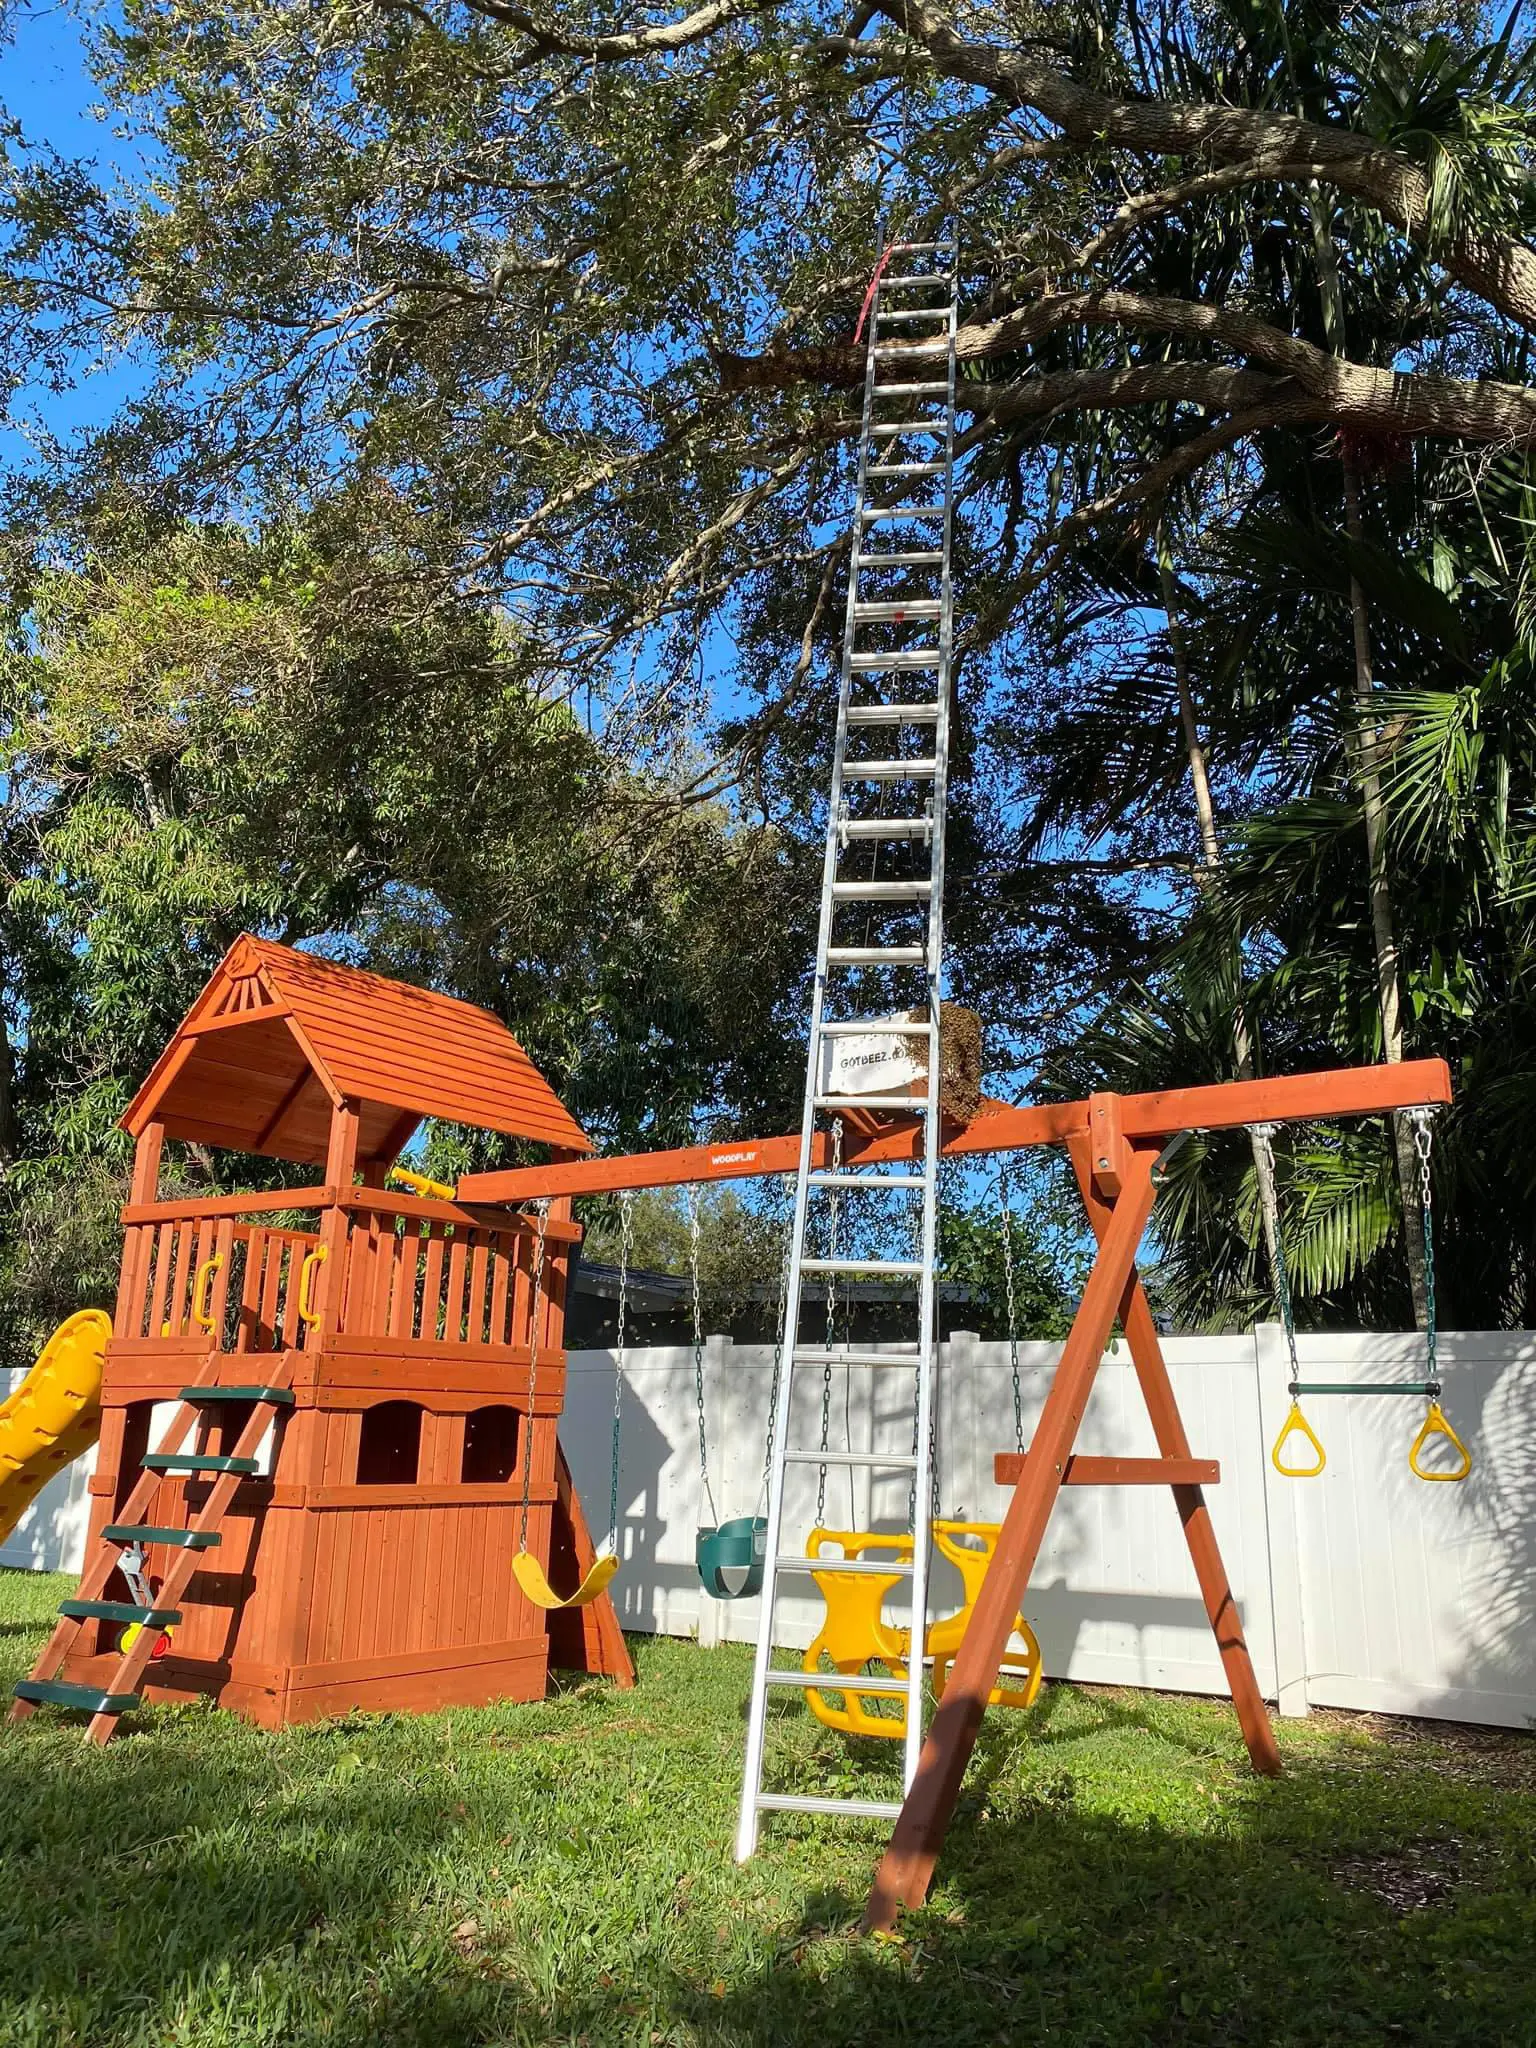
(802, 1802)
(903, 657)
(873, 514)
(815, 1681)
(894, 430)
(120, 1610)
(882, 892)
(899, 609)
(880, 469)
(190, 1461)
(886, 828)
(893, 714)
(889, 281)
(916, 1104)
(929, 389)
(90, 1699)
(877, 956)
(905, 558)
(861, 1567)
(904, 1459)
(176, 1539)
(915, 770)
(913, 351)
(865, 1027)
(868, 1183)
(898, 1269)
(906, 314)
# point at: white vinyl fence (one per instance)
(1365, 1588)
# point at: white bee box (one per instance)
(876, 1062)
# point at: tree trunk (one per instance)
(1368, 767)
(7, 1099)
(1210, 848)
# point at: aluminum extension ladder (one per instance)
(889, 770)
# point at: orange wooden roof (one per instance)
(277, 1037)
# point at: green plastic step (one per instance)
(90, 1699)
(279, 1397)
(195, 1461)
(178, 1539)
(120, 1610)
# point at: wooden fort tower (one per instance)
(369, 1561)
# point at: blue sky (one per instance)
(46, 86)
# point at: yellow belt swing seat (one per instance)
(526, 1569)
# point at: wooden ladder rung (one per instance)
(1008, 1470)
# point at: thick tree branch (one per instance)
(1500, 268)
(1355, 394)
(616, 49)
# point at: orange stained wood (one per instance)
(999, 1127)
(279, 1039)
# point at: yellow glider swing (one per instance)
(526, 1568)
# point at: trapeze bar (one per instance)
(1300, 1387)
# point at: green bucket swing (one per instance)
(730, 1555)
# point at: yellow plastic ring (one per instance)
(1293, 1422)
(1437, 1423)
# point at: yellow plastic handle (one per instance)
(1437, 1423)
(419, 1184)
(1293, 1422)
(308, 1313)
(202, 1291)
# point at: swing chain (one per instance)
(626, 1250)
(1263, 1136)
(694, 1232)
(778, 1340)
(541, 1212)
(826, 1364)
(1423, 1121)
(1013, 1314)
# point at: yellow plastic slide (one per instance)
(54, 1414)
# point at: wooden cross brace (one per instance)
(1116, 1178)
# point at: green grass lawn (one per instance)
(562, 1873)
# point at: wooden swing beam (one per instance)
(998, 1127)
(1114, 1143)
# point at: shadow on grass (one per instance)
(213, 1886)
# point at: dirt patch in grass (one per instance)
(1407, 1879)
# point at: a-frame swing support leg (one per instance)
(1113, 1290)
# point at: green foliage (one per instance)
(450, 597)
(1047, 1274)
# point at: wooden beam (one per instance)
(273, 1200)
(907, 1866)
(1008, 1470)
(233, 1019)
(397, 1137)
(291, 1094)
(1293, 1098)
(741, 1161)
(1172, 1442)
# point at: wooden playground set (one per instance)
(353, 1492)
(330, 1474)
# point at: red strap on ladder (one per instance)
(874, 286)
